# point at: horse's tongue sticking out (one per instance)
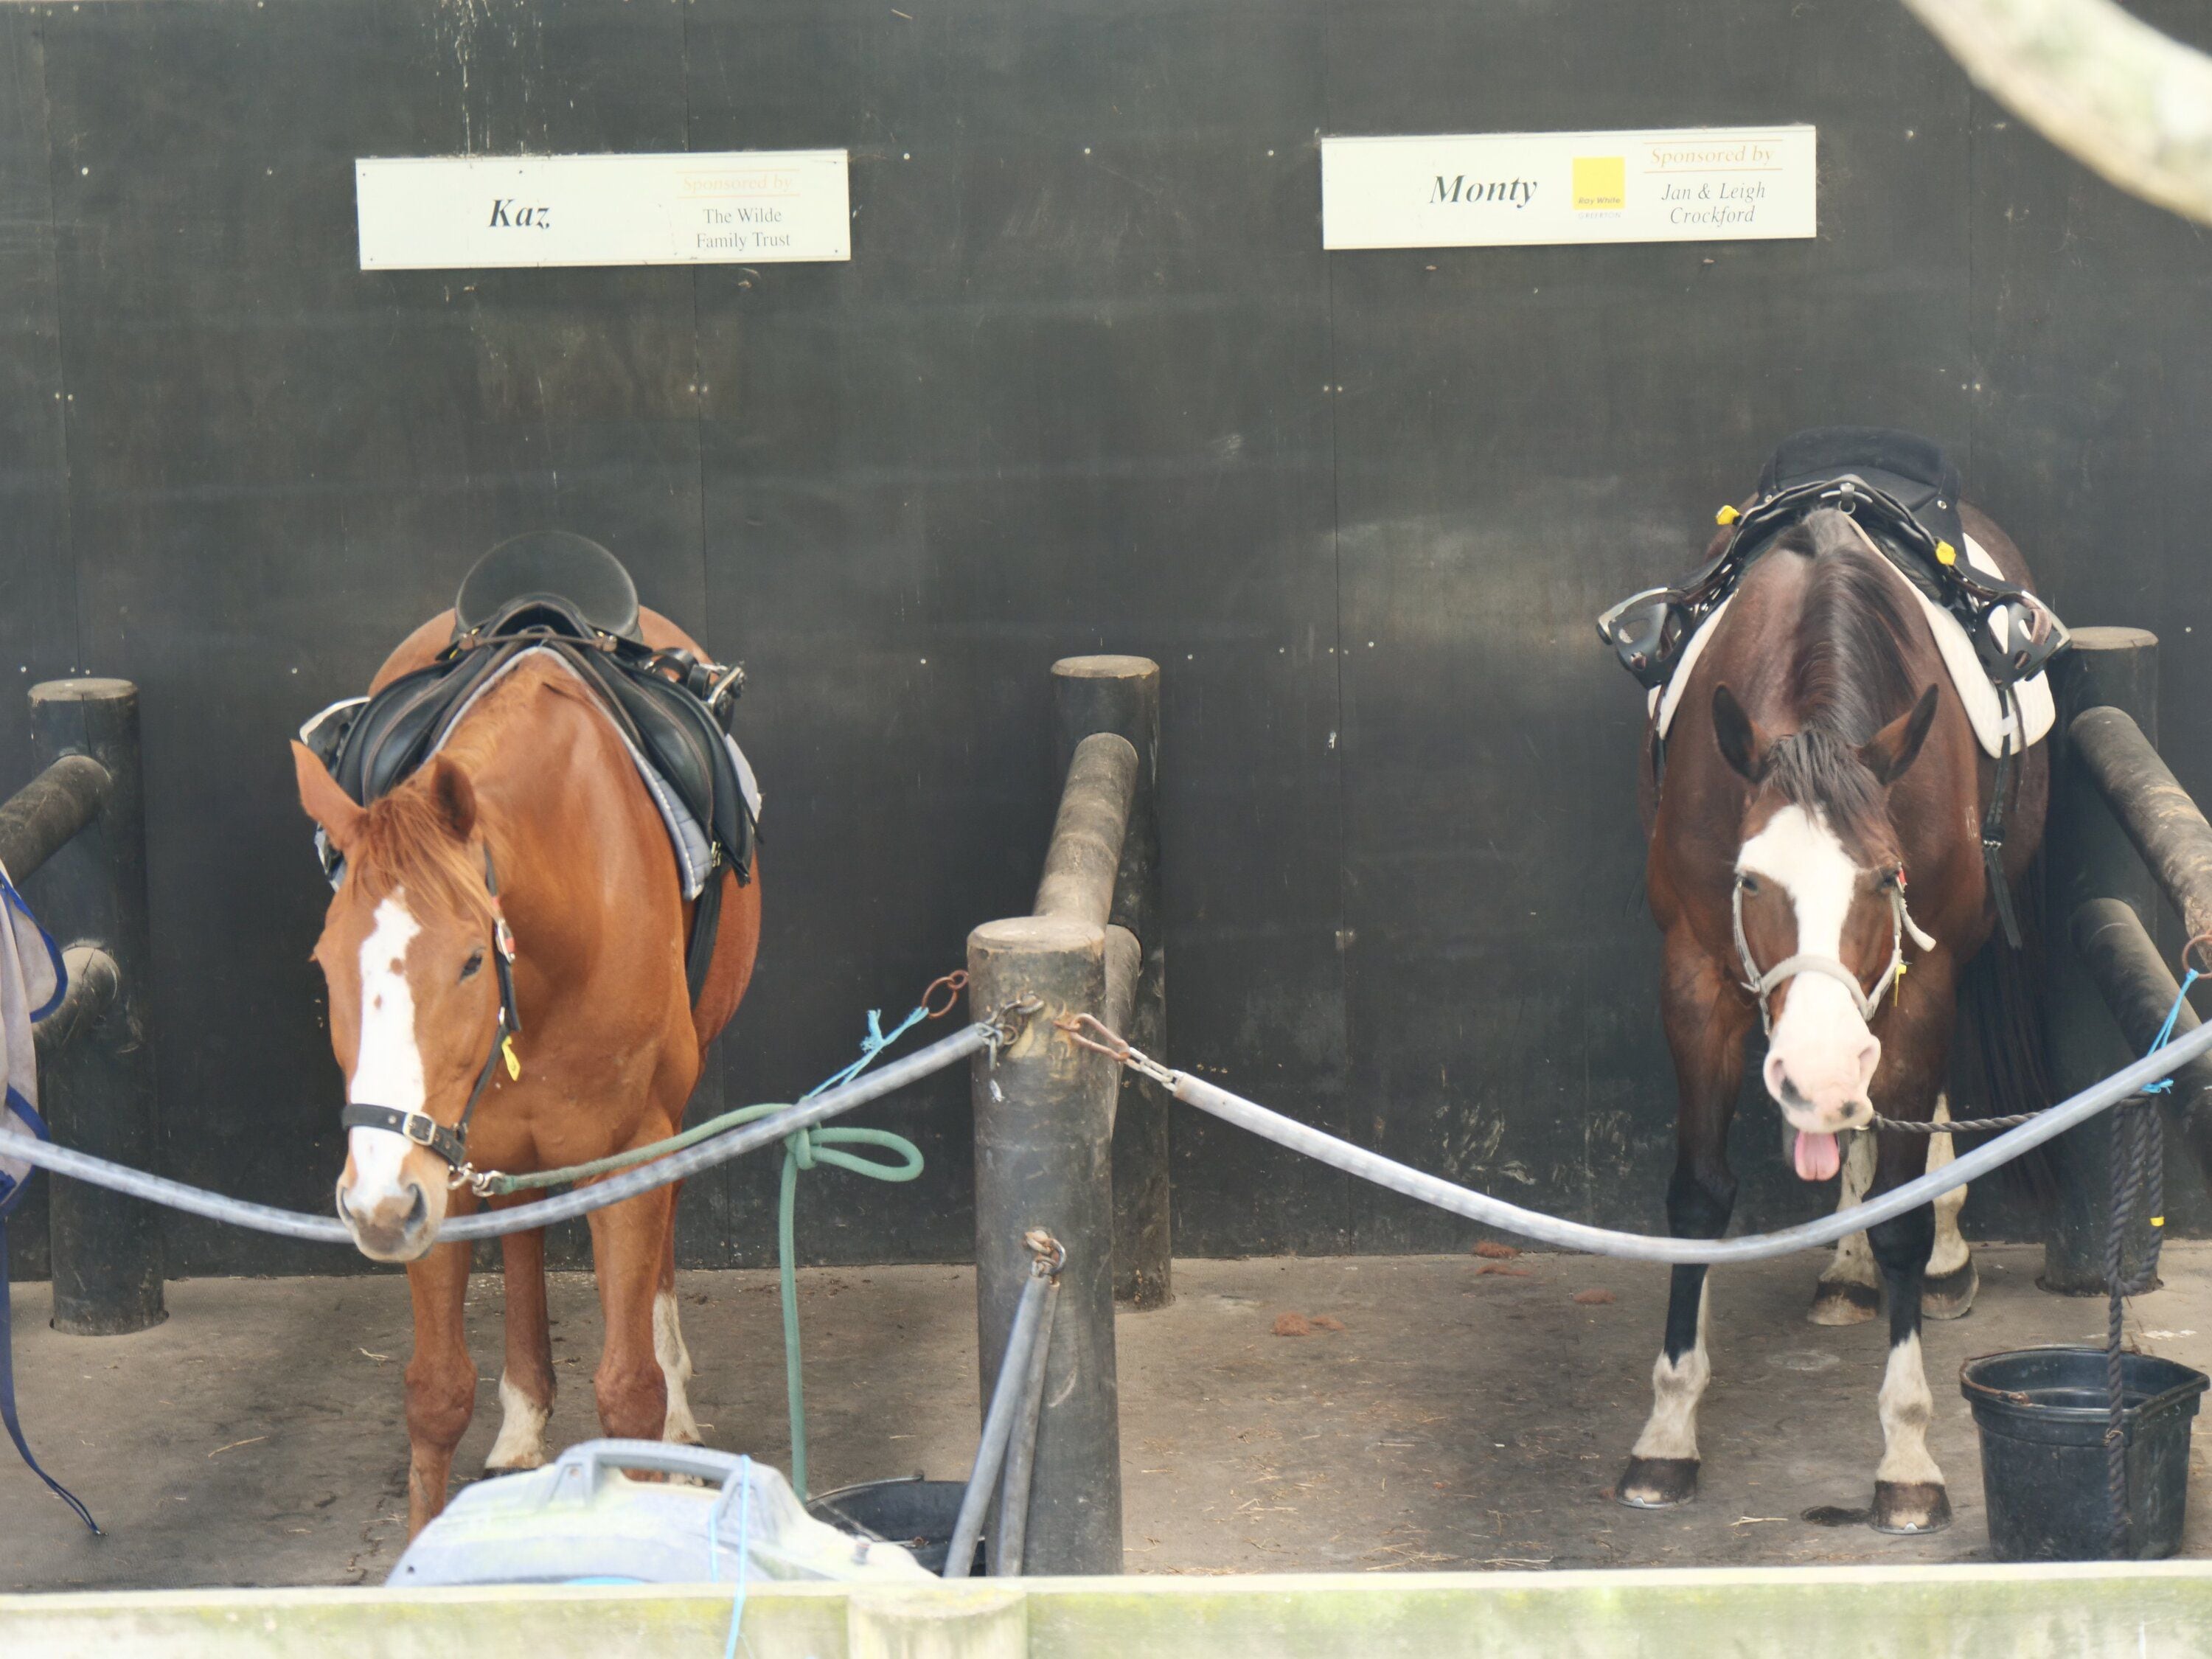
(1818, 1157)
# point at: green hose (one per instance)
(802, 1150)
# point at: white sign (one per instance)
(1512, 189)
(465, 213)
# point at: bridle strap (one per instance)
(1762, 986)
(418, 1127)
(453, 1144)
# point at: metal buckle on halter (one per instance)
(420, 1127)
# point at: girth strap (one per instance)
(1993, 823)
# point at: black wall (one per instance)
(1088, 382)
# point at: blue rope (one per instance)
(745, 1554)
(871, 1045)
(2165, 1084)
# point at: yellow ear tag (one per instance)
(2157, 1221)
(1899, 996)
(1945, 554)
(1727, 515)
(506, 1053)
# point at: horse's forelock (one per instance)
(406, 842)
(1816, 769)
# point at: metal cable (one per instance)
(328, 1230)
(1640, 1247)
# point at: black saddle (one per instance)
(1904, 492)
(549, 577)
(553, 590)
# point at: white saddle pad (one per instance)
(2037, 711)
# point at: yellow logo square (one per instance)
(1601, 184)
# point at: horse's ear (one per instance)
(325, 803)
(454, 796)
(1743, 745)
(1897, 746)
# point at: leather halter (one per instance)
(1762, 985)
(453, 1144)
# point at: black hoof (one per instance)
(1657, 1483)
(1840, 1302)
(1951, 1295)
(1910, 1507)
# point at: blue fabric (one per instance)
(14, 900)
(11, 1194)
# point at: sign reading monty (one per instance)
(1513, 189)
(740, 207)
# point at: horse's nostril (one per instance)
(421, 1211)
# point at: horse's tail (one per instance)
(1999, 995)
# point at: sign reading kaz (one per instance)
(1504, 189)
(466, 213)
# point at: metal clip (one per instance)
(1089, 1031)
(1047, 1255)
(484, 1183)
(1007, 1022)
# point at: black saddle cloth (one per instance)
(670, 707)
(1914, 471)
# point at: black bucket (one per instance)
(917, 1513)
(2042, 1415)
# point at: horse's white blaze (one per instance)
(1820, 1042)
(388, 1069)
(1950, 1252)
(1677, 1385)
(1853, 1262)
(1907, 1407)
(521, 1443)
(676, 1368)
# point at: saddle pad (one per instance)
(2037, 710)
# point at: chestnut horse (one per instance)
(535, 783)
(1819, 752)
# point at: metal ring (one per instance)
(2202, 938)
(953, 985)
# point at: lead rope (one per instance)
(2138, 1159)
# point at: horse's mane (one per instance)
(1849, 679)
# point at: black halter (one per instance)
(453, 1144)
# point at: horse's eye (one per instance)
(469, 967)
(1749, 881)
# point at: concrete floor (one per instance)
(1461, 1418)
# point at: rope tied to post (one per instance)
(2138, 1171)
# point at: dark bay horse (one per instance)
(534, 778)
(1820, 755)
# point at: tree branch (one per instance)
(2113, 92)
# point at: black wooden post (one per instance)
(2088, 856)
(98, 1091)
(1043, 1159)
(1122, 695)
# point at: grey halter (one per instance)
(1761, 985)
